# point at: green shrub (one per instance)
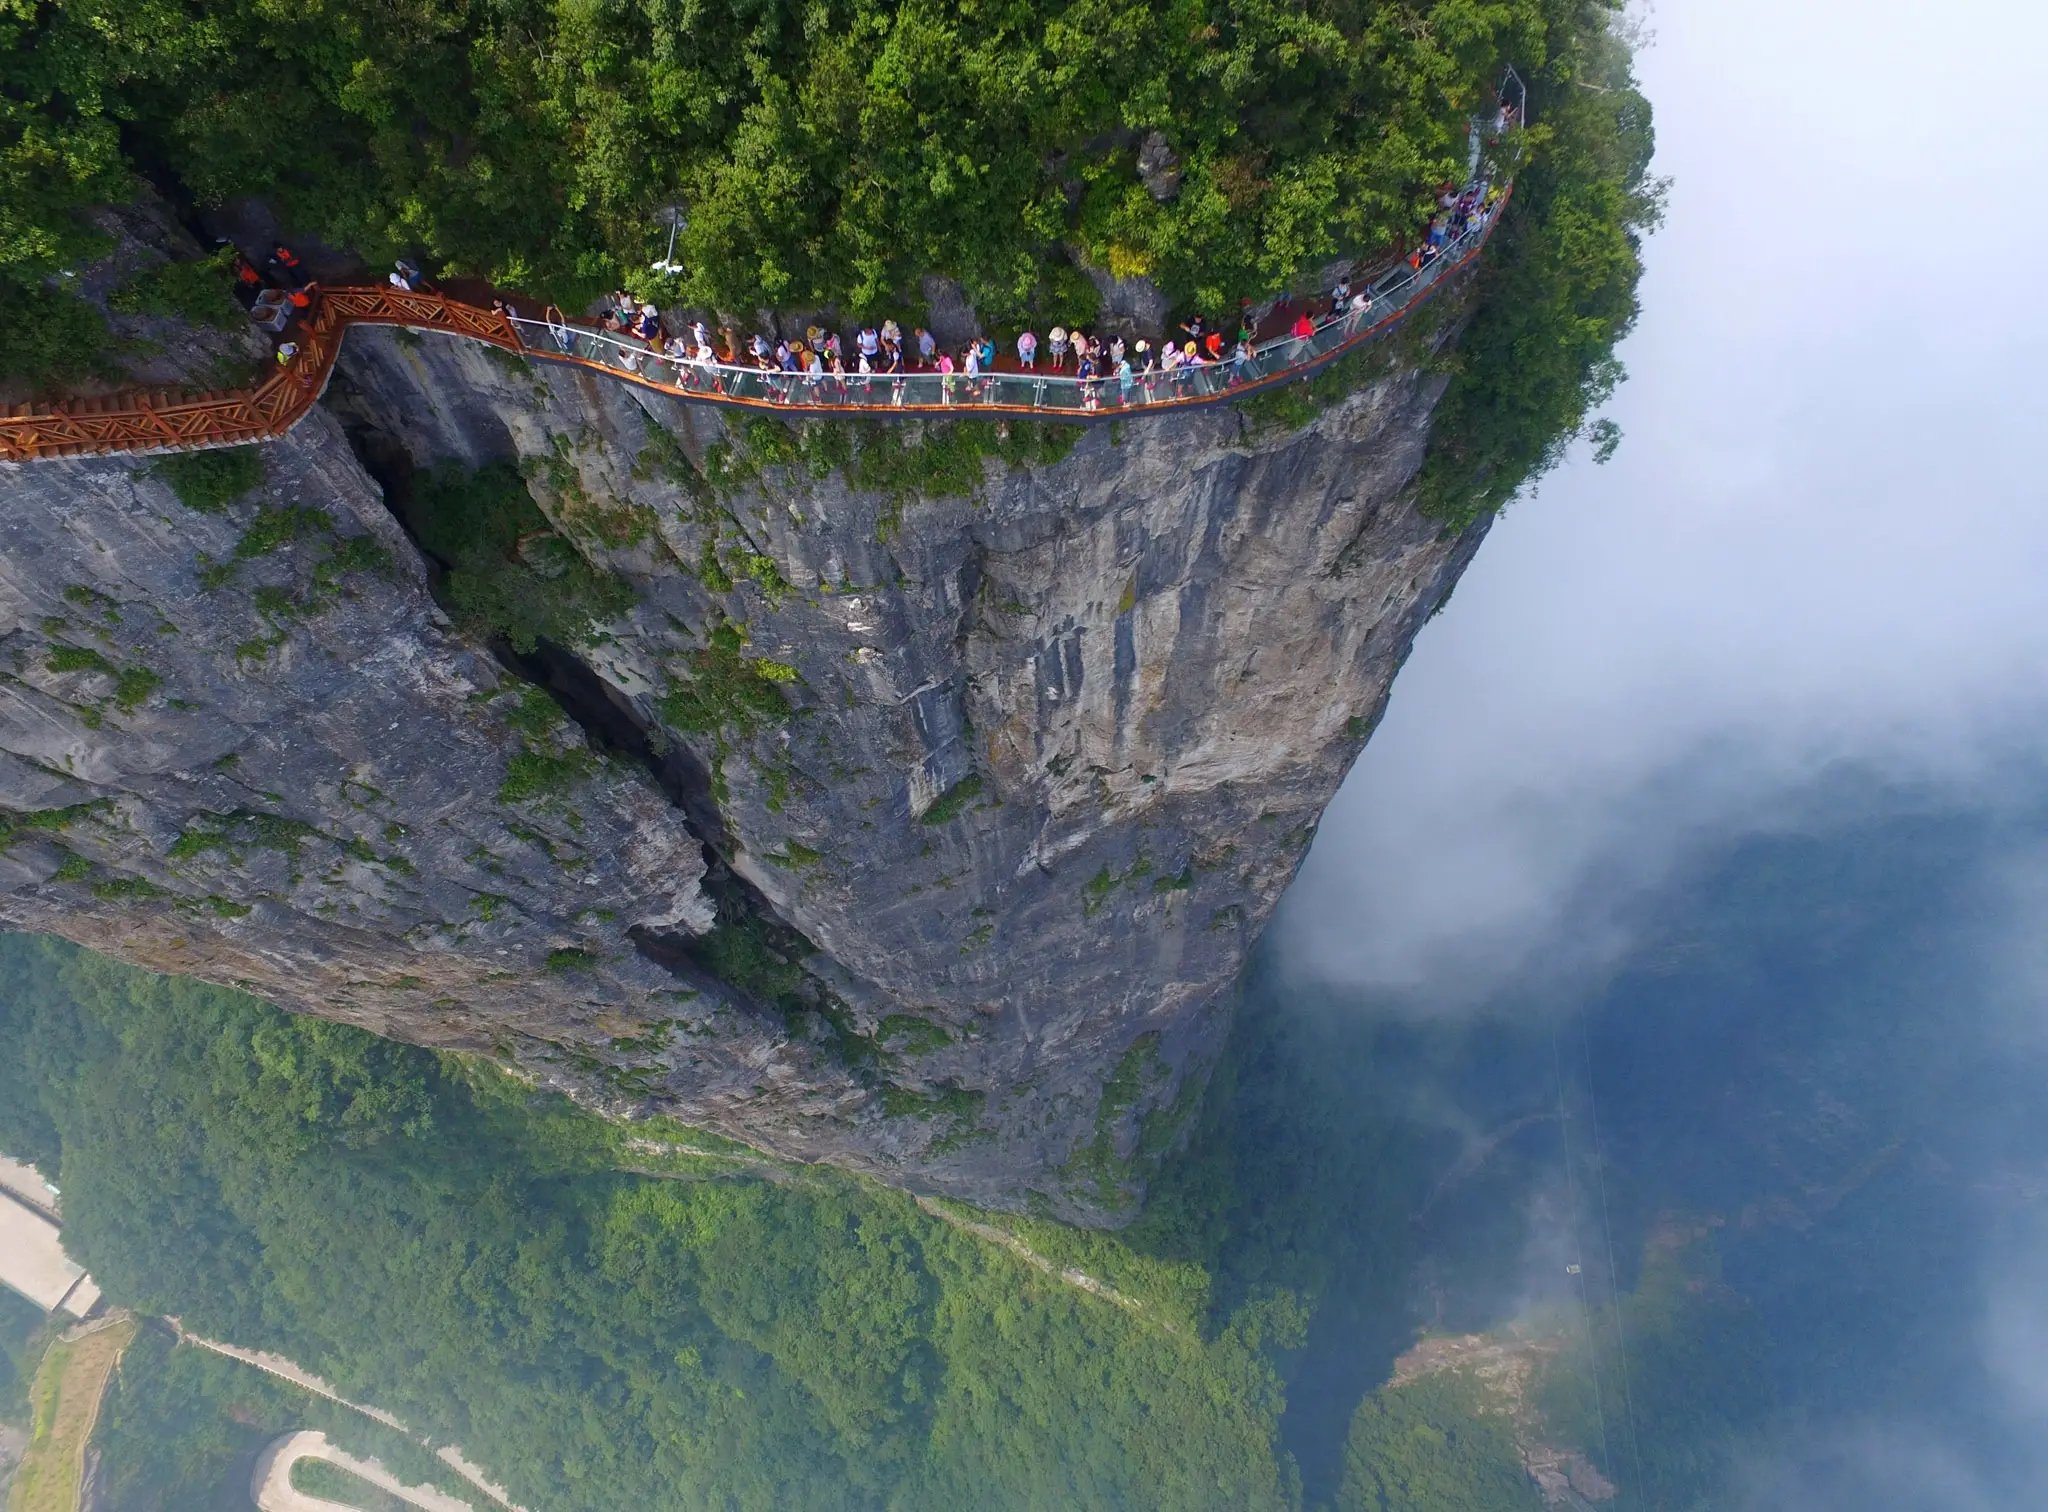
(352, 554)
(720, 689)
(78, 659)
(947, 806)
(134, 685)
(911, 1035)
(200, 290)
(277, 527)
(50, 337)
(127, 887)
(746, 951)
(532, 774)
(71, 867)
(510, 574)
(209, 481)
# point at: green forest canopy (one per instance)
(828, 153)
(602, 1338)
(599, 1339)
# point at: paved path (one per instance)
(1080, 1280)
(284, 1370)
(305, 1380)
(270, 1483)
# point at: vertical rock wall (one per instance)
(1062, 711)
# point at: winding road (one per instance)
(270, 1483)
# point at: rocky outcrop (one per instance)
(1159, 166)
(917, 817)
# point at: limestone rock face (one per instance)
(1061, 722)
(1159, 166)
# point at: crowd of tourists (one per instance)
(832, 367)
(821, 365)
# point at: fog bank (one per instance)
(1821, 545)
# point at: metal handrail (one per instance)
(1393, 295)
(142, 421)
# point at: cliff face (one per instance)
(917, 817)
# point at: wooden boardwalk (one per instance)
(142, 422)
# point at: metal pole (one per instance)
(1524, 88)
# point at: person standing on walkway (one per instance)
(1303, 331)
(1123, 381)
(1027, 352)
(927, 348)
(560, 329)
(1057, 339)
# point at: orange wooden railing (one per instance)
(149, 421)
(141, 421)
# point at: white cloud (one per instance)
(1823, 542)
